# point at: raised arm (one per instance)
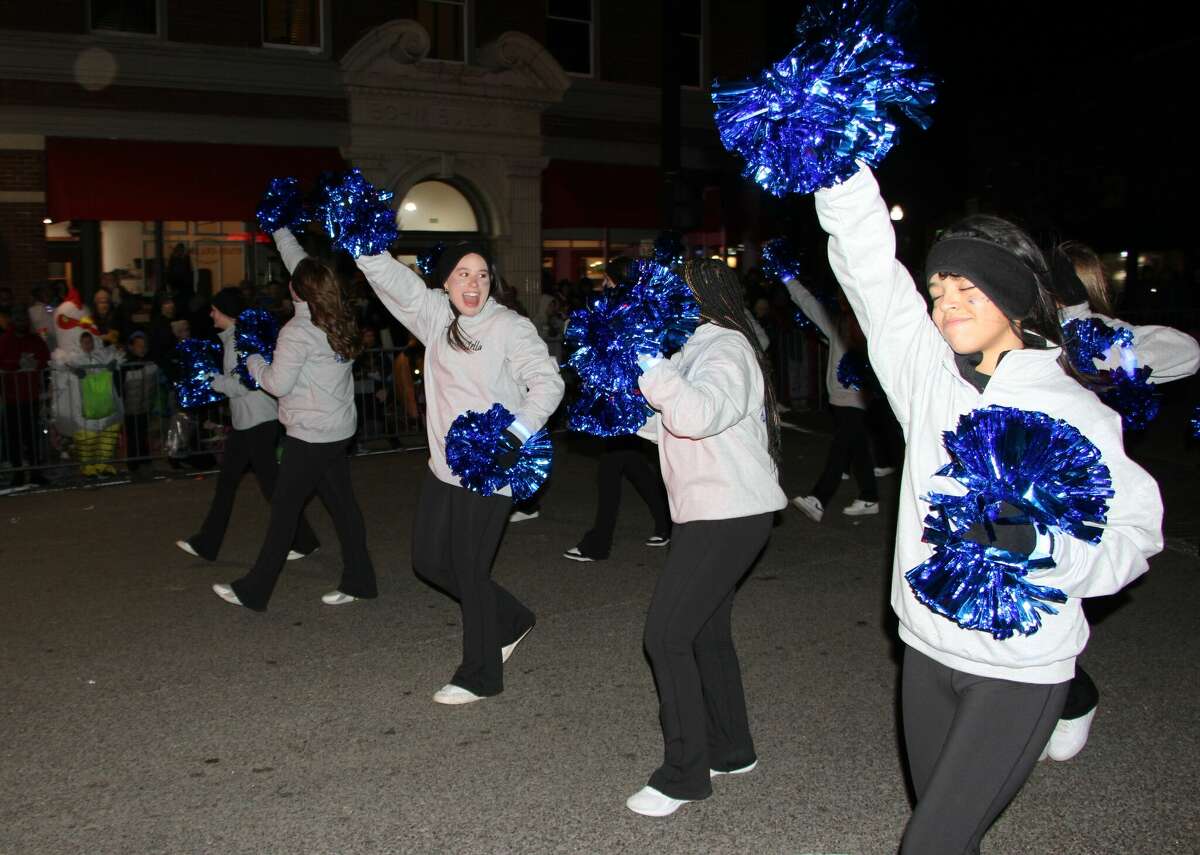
(812, 309)
(423, 311)
(1170, 354)
(289, 248)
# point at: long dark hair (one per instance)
(1042, 318)
(1090, 271)
(719, 293)
(316, 285)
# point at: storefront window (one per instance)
(569, 34)
(435, 206)
(292, 23)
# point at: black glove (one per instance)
(508, 451)
(1014, 537)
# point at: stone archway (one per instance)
(413, 119)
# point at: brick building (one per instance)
(132, 126)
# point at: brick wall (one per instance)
(22, 235)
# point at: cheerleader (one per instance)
(477, 353)
(717, 431)
(251, 442)
(310, 375)
(977, 711)
(1082, 291)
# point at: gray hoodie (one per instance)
(249, 408)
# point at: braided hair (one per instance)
(719, 294)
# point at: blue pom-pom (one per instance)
(1127, 389)
(852, 371)
(256, 332)
(1089, 339)
(195, 360)
(427, 259)
(282, 206)
(668, 249)
(781, 259)
(1132, 395)
(804, 121)
(356, 215)
(654, 313)
(1048, 470)
(473, 444)
(1196, 422)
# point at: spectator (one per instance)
(23, 358)
(103, 317)
(41, 314)
(162, 340)
(95, 443)
(370, 389)
(139, 390)
(179, 273)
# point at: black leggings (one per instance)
(971, 742)
(851, 449)
(624, 456)
(455, 537)
(702, 707)
(253, 447)
(307, 467)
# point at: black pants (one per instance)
(702, 707)
(307, 467)
(886, 434)
(254, 447)
(455, 537)
(851, 448)
(971, 742)
(1082, 696)
(137, 439)
(624, 456)
(21, 432)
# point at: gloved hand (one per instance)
(510, 449)
(1021, 537)
(646, 361)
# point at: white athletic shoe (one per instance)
(810, 506)
(187, 547)
(293, 555)
(507, 650)
(658, 540)
(521, 516)
(845, 476)
(713, 773)
(337, 598)
(884, 471)
(575, 555)
(859, 508)
(650, 802)
(1069, 736)
(225, 592)
(452, 694)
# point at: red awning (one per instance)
(576, 195)
(94, 179)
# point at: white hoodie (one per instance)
(711, 428)
(509, 364)
(917, 370)
(839, 395)
(1169, 353)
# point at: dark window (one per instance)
(445, 21)
(292, 22)
(569, 34)
(691, 39)
(127, 16)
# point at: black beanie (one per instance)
(229, 302)
(1000, 274)
(1065, 283)
(455, 253)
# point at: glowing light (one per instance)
(410, 206)
(1124, 254)
(897, 213)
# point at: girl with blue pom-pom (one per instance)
(310, 375)
(717, 431)
(986, 669)
(252, 442)
(478, 353)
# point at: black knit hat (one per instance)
(455, 253)
(229, 302)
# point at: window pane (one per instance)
(689, 16)
(689, 61)
(570, 44)
(579, 9)
(444, 23)
(292, 22)
(130, 16)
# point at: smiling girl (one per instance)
(478, 353)
(977, 711)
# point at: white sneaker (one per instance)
(507, 650)
(225, 592)
(1069, 736)
(187, 547)
(859, 508)
(810, 506)
(884, 471)
(452, 694)
(521, 516)
(293, 555)
(845, 476)
(575, 555)
(650, 802)
(657, 540)
(337, 598)
(713, 773)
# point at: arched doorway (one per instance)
(437, 211)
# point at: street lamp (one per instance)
(897, 213)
